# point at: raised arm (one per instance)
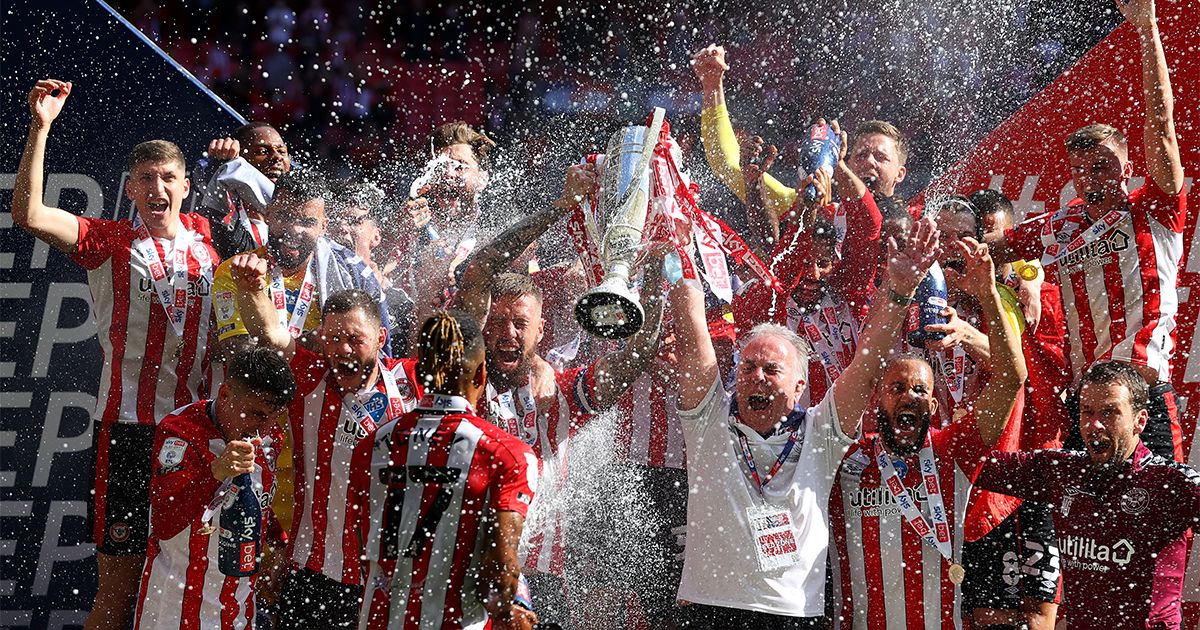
(616, 371)
(258, 313)
(57, 227)
(720, 142)
(906, 268)
(475, 282)
(693, 346)
(1162, 146)
(500, 572)
(1006, 368)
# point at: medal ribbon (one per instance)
(295, 326)
(395, 400)
(170, 278)
(824, 333)
(503, 411)
(748, 457)
(939, 535)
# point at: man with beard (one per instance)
(530, 399)
(305, 267)
(239, 190)
(1122, 513)
(150, 282)
(756, 548)
(345, 391)
(1116, 251)
(897, 499)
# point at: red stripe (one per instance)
(381, 600)
(872, 560)
(193, 592)
(1147, 261)
(327, 428)
(118, 333)
(152, 360)
(100, 509)
(1114, 289)
(230, 606)
(913, 571)
(838, 526)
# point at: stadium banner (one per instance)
(125, 91)
(1025, 158)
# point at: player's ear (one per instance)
(383, 337)
(480, 377)
(1139, 421)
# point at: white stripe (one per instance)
(642, 420)
(931, 574)
(102, 312)
(1076, 359)
(891, 553)
(302, 545)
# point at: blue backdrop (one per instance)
(125, 91)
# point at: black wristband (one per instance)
(900, 300)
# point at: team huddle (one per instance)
(397, 398)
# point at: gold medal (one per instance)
(957, 573)
(206, 529)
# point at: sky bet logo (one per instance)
(1087, 553)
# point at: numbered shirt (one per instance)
(1121, 536)
(324, 434)
(426, 486)
(1118, 291)
(148, 369)
(885, 576)
(181, 585)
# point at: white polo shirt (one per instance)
(720, 566)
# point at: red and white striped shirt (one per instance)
(1118, 290)
(324, 433)
(648, 432)
(149, 370)
(885, 576)
(548, 430)
(424, 546)
(181, 584)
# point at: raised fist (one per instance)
(224, 149)
(249, 272)
(710, 65)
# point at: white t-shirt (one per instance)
(720, 566)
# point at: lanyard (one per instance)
(395, 401)
(170, 277)
(515, 411)
(748, 457)
(939, 535)
(295, 326)
(1056, 251)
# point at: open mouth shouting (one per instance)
(759, 402)
(157, 208)
(1101, 448)
(507, 357)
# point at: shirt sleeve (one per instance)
(1025, 239)
(724, 158)
(1024, 475)
(855, 276)
(1169, 210)
(516, 480)
(97, 240)
(182, 483)
(714, 407)
(826, 428)
(961, 441)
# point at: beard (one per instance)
(920, 418)
(504, 376)
(290, 254)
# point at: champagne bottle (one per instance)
(931, 300)
(239, 547)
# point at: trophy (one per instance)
(611, 310)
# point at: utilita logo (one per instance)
(1087, 553)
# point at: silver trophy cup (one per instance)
(611, 310)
